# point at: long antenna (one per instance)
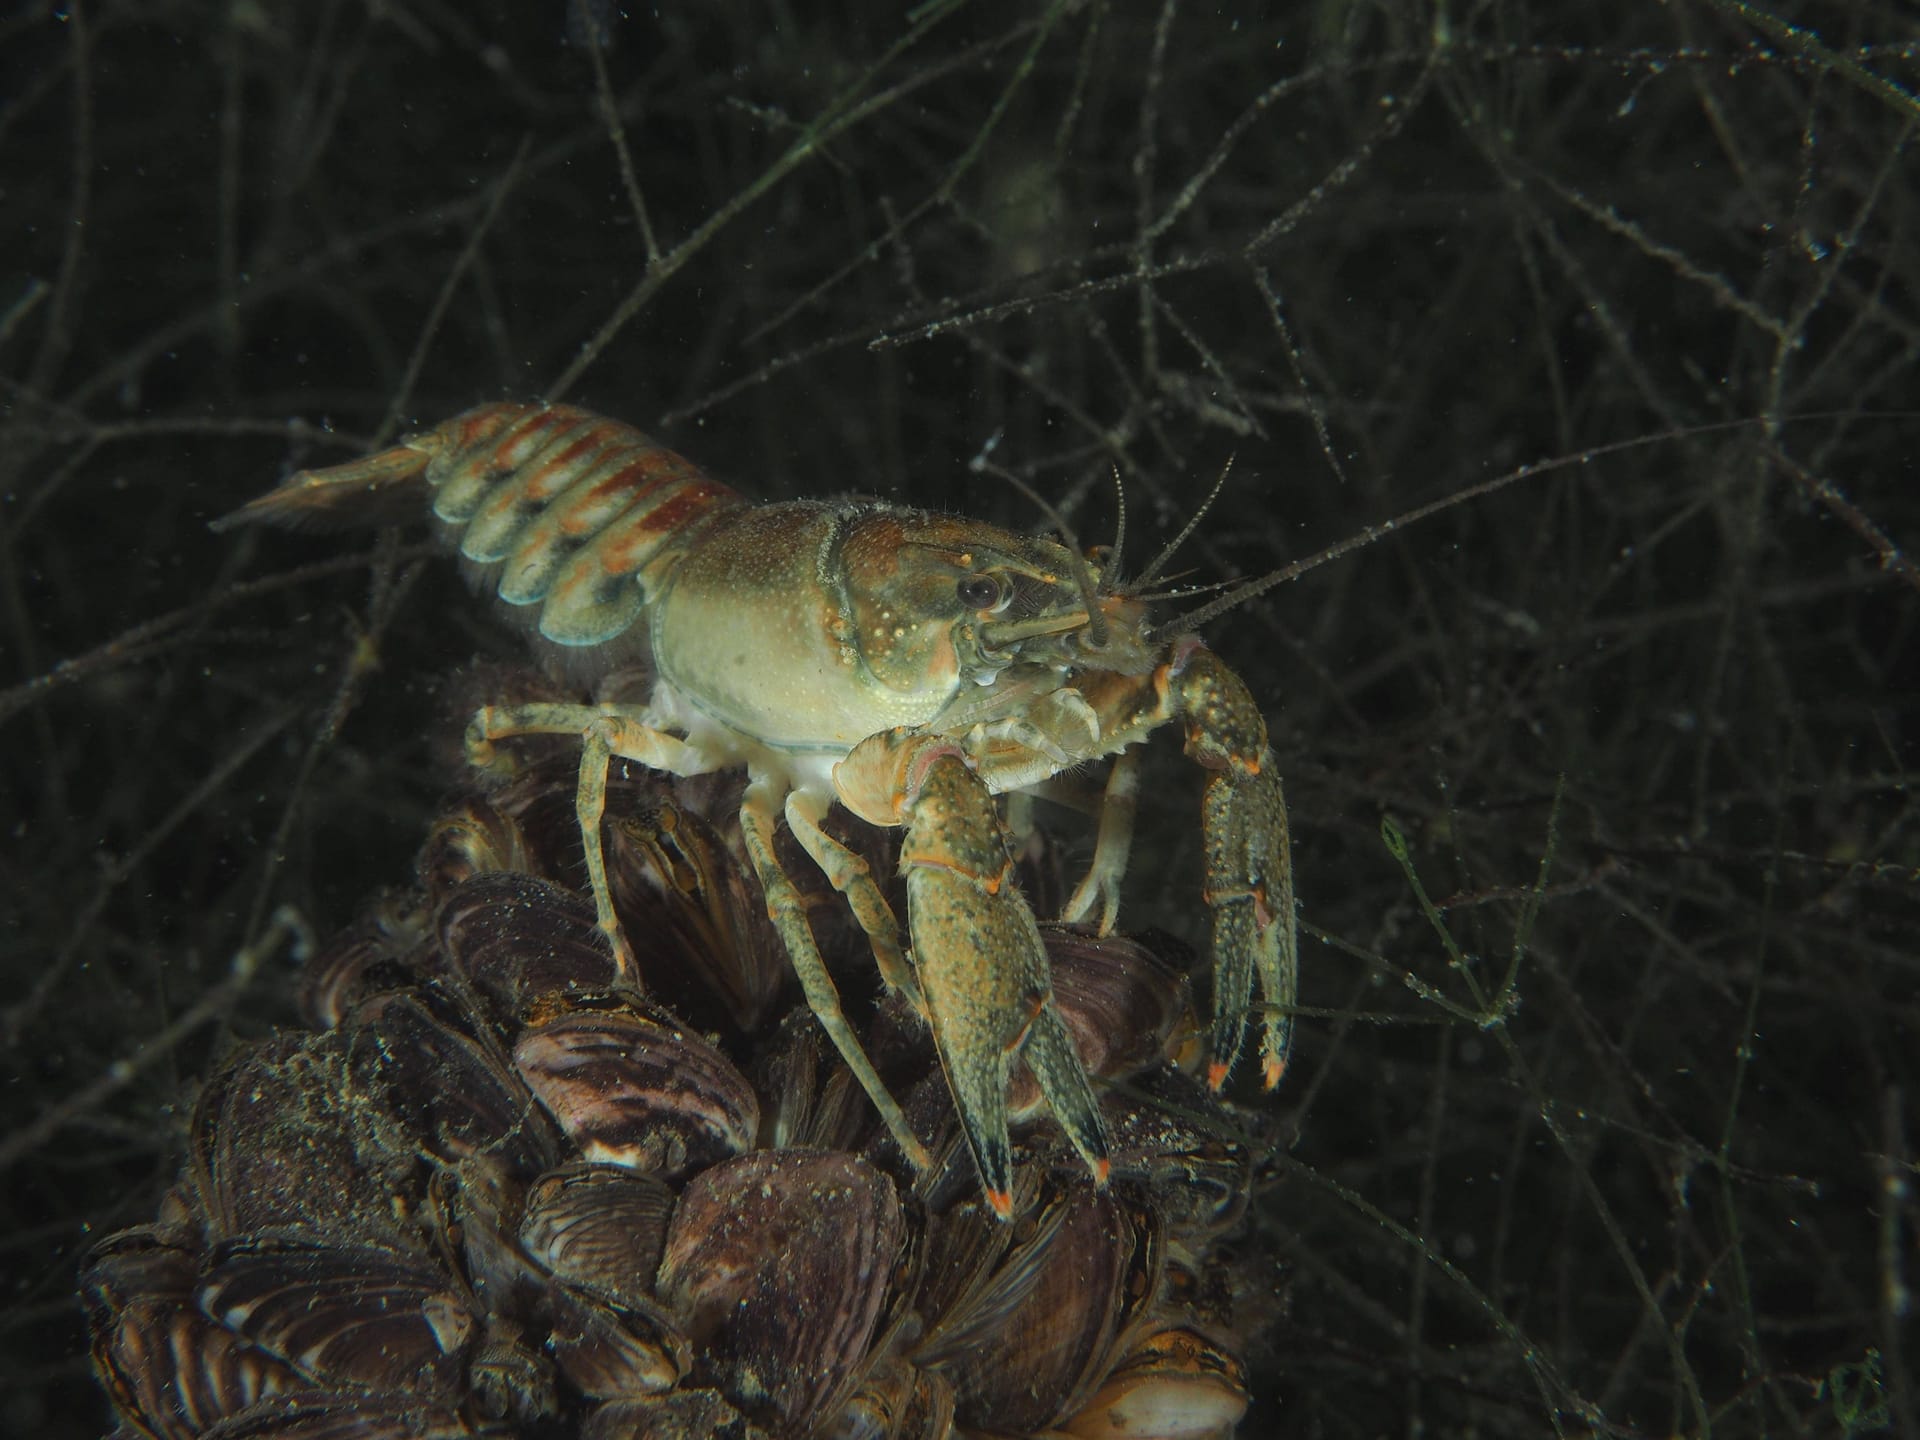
(1186, 531)
(1193, 619)
(1110, 572)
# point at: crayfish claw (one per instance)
(1250, 891)
(1063, 1080)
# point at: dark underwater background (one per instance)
(1603, 1113)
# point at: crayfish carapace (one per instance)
(906, 665)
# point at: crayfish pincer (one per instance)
(906, 665)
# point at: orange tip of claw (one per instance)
(1272, 1072)
(1100, 1174)
(1216, 1076)
(1001, 1201)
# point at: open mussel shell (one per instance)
(701, 934)
(780, 1263)
(1175, 1385)
(344, 1315)
(630, 1085)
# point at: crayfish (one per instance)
(906, 665)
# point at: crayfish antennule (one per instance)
(1001, 1202)
(1217, 1075)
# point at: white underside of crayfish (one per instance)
(908, 666)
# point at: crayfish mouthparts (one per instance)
(830, 648)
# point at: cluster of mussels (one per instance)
(500, 1189)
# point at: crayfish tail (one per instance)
(382, 489)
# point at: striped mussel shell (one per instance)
(781, 1263)
(352, 1315)
(600, 1231)
(519, 941)
(170, 1370)
(1121, 1003)
(315, 1414)
(631, 1085)
(508, 1191)
(1027, 1320)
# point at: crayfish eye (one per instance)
(979, 592)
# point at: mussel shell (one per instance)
(1174, 1385)
(676, 1415)
(382, 950)
(517, 939)
(897, 1402)
(439, 1072)
(345, 1415)
(473, 1207)
(1028, 1338)
(507, 1379)
(145, 1262)
(343, 1314)
(1120, 1002)
(632, 1086)
(600, 1228)
(282, 1137)
(609, 1353)
(172, 1372)
(695, 914)
(814, 1103)
(780, 1261)
(477, 839)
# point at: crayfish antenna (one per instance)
(1168, 550)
